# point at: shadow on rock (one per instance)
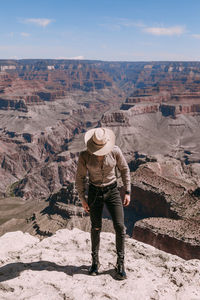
(13, 270)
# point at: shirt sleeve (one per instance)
(124, 169)
(81, 174)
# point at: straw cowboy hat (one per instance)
(100, 141)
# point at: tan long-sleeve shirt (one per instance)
(101, 175)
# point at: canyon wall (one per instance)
(47, 80)
(154, 110)
(168, 207)
(35, 82)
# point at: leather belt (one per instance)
(103, 188)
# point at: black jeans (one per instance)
(111, 197)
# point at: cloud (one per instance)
(120, 23)
(38, 22)
(13, 57)
(196, 36)
(129, 23)
(77, 57)
(80, 57)
(25, 34)
(169, 31)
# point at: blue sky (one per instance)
(124, 30)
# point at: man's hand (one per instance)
(126, 200)
(85, 206)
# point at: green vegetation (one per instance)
(11, 189)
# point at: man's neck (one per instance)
(100, 158)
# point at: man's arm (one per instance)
(125, 173)
(80, 183)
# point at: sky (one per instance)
(110, 30)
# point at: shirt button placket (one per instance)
(102, 169)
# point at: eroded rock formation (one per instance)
(178, 237)
(170, 206)
(35, 82)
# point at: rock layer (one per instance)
(158, 190)
(178, 237)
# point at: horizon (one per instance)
(110, 30)
(100, 60)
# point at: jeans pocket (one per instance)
(114, 197)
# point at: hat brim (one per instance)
(95, 149)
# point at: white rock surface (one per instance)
(57, 268)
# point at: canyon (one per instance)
(153, 108)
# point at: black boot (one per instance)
(94, 269)
(95, 239)
(120, 271)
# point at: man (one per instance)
(99, 162)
